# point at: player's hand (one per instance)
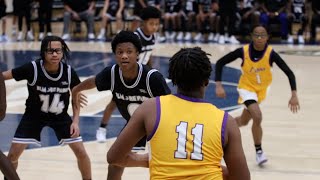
(294, 104)
(82, 100)
(74, 130)
(220, 90)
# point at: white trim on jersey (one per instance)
(112, 78)
(143, 35)
(148, 82)
(138, 78)
(35, 74)
(70, 140)
(69, 75)
(48, 76)
(26, 141)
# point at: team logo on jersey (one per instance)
(64, 83)
(142, 91)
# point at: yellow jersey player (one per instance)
(257, 59)
(187, 136)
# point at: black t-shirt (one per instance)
(129, 95)
(48, 93)
(254, 54)
(78, 5)
(275, 5)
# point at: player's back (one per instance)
(187, 139)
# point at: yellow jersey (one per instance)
(256, 74)
(187, 140)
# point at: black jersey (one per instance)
(148, 43)
(206, 5)
(191, 6)
(129, 95)
(172, 6)
(298, 6)
(113, 7)
(48, 93)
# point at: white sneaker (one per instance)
(66, 37)
(300, 39)
(4, 38)
(198, 37)
(91, 36)
(49, 34)
(101, 36)
(167, 35)
(180, 36)
(211, 37)
(20, 36)
(233, 40)
(261, 158)
(216, 37)
(188, 36)
(290, 39)
(173, 35)
(221, 39)
(101, 135)
(41, 36)
(30, 36)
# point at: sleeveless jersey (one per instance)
(298, 9)
(256, 74)
(187, 140)
(113, 6)
(148, 43)
(129, 97)
(48, 94)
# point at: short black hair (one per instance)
(150, 12)
(126, 36)
(260, 25)
(190, 68)
(47, 42)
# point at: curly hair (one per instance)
(190, 68)
(150, 12)
(124, 37)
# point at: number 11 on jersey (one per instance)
(197, 132)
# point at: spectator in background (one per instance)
(249, 11)
(297, 13)
(3, 7)
(78, 10)
(172, 17)
(275, 10)
(315, 20)
(22, 8)
(227, 12)
(188, 14)
(112, 10)
(44, 15)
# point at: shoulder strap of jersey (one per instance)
(148, 82)
(35, 74)
(69, 75)
(112, 78)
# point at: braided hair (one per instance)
(190, 68)
(47, 42)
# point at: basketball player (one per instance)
(151, 19)
(131, 83)
(49, 82)
(5, 165)
(112, 10)
(257, 60)
(188, 136)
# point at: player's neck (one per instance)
(130, 74)
(193, 94)
(51, 69)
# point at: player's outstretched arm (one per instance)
(3, 101)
